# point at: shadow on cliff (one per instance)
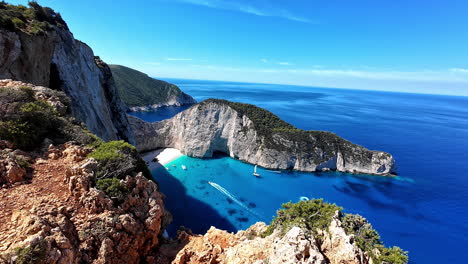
(185, 209)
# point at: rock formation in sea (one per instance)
(143, 93)
(256, 136)
(41, 50)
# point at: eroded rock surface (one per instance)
(66, 220)
(248, 247)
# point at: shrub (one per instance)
(33, 20)
(112, 187)
(34, 254)
(309, 215)
(367, 239)
(118, 159)
(394, 255)
(29, 123)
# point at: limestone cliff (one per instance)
(52, 57)
(143, 93)
(249, 247)
(256, 136)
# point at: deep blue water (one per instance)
(423, 210)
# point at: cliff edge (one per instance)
(37, 47)
(257, 136)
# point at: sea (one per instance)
(423, 210)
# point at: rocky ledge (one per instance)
(257, 136)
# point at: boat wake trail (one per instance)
(232, 197)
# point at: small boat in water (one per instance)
(255, 172)
(167, 168)
(173, 165)
(184, 167)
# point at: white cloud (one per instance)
(459, 70)
(178, 59)
(153, 63)
(258, 8)
(264, 60)
(285, 63)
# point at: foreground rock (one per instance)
(248, 247)
(256, 136)
(60, 218)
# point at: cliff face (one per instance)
(143, 93)
(249, 247)
(216, 125)
(57, 60)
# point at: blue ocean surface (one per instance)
(423, 210)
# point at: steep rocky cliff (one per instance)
(143, 93)
(38, 48)
(256, 136)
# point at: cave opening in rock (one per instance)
(220, 154)
(55, 82)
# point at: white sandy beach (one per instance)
(164, 156)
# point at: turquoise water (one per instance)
(244, 199)
(424, 210)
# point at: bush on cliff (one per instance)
(34, 19)
(118, 159)
(315, 215)
(25, 121)
(112, 187)
(309, 215)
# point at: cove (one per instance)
(423, 210)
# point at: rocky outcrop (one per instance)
(60, 218)
(56, 60)
(240, 131)
(249, 247)
(13, 164)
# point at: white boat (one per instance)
(184, 167)
(173, 165)
(255, 172)
(167, 168)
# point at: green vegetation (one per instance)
(24, 120)
(34, 19)
(394, 255)
(309, 215)
(316, 215)
(112, 187)
(35, 254)
(118, 159)
(138, 89)
(368, 239)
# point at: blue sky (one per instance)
(396, 45)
